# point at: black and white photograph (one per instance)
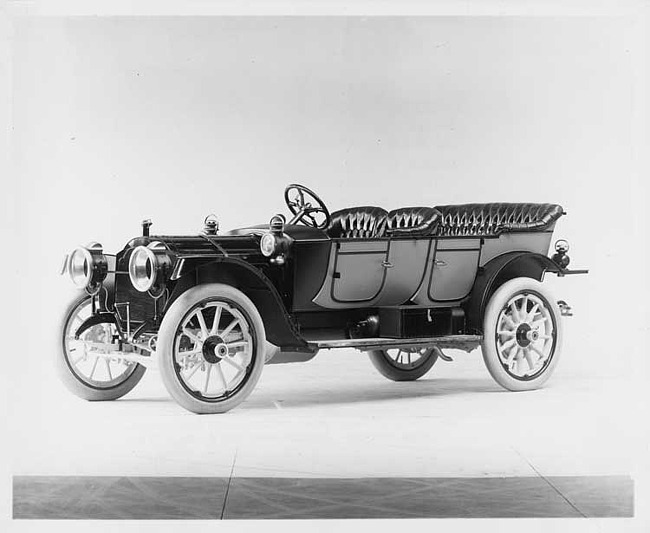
(310, 266)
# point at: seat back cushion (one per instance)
(495, 218)
(365, 222)
(415, 221)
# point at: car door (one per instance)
(359, 271)
(454, 269)
(450, 271)
(355, 273)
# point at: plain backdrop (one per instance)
(119, 119)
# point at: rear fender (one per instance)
(280, 328)
(495, 273)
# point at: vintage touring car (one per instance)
(211, 309)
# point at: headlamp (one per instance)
(87, 267)
(148, 266)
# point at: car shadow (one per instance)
(368, 393)
(276, 397)
(146, 399)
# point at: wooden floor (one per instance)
(110, 498)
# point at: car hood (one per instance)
(296, 231)
(242, 241)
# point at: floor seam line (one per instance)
(575, 507)
(225, 497)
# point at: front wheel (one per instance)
(403, 364)
(522, 335)
(90, 366)
(210, 349)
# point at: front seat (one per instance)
(365, 222)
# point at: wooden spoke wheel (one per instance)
(211, 347)
(403, 364)
(522, 335)
(90, 366)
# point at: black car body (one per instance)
(412, 280)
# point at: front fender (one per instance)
(280, 327)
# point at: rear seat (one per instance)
(494, 218)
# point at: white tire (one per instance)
(211, 348)
(80, 364)
(403, 364)
(522, 335)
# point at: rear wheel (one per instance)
(403, 364)
(522, 335)
(86, 365)
(211, 347)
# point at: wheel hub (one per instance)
(214, 349)
(525, 335)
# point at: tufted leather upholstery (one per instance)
(494, 218)
(413, 221)
(363, 222)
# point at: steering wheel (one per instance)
(306, 207)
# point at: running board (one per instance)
(460, 342)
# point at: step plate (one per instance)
(460, 342)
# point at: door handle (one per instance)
(387, 264)
(440, 263)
